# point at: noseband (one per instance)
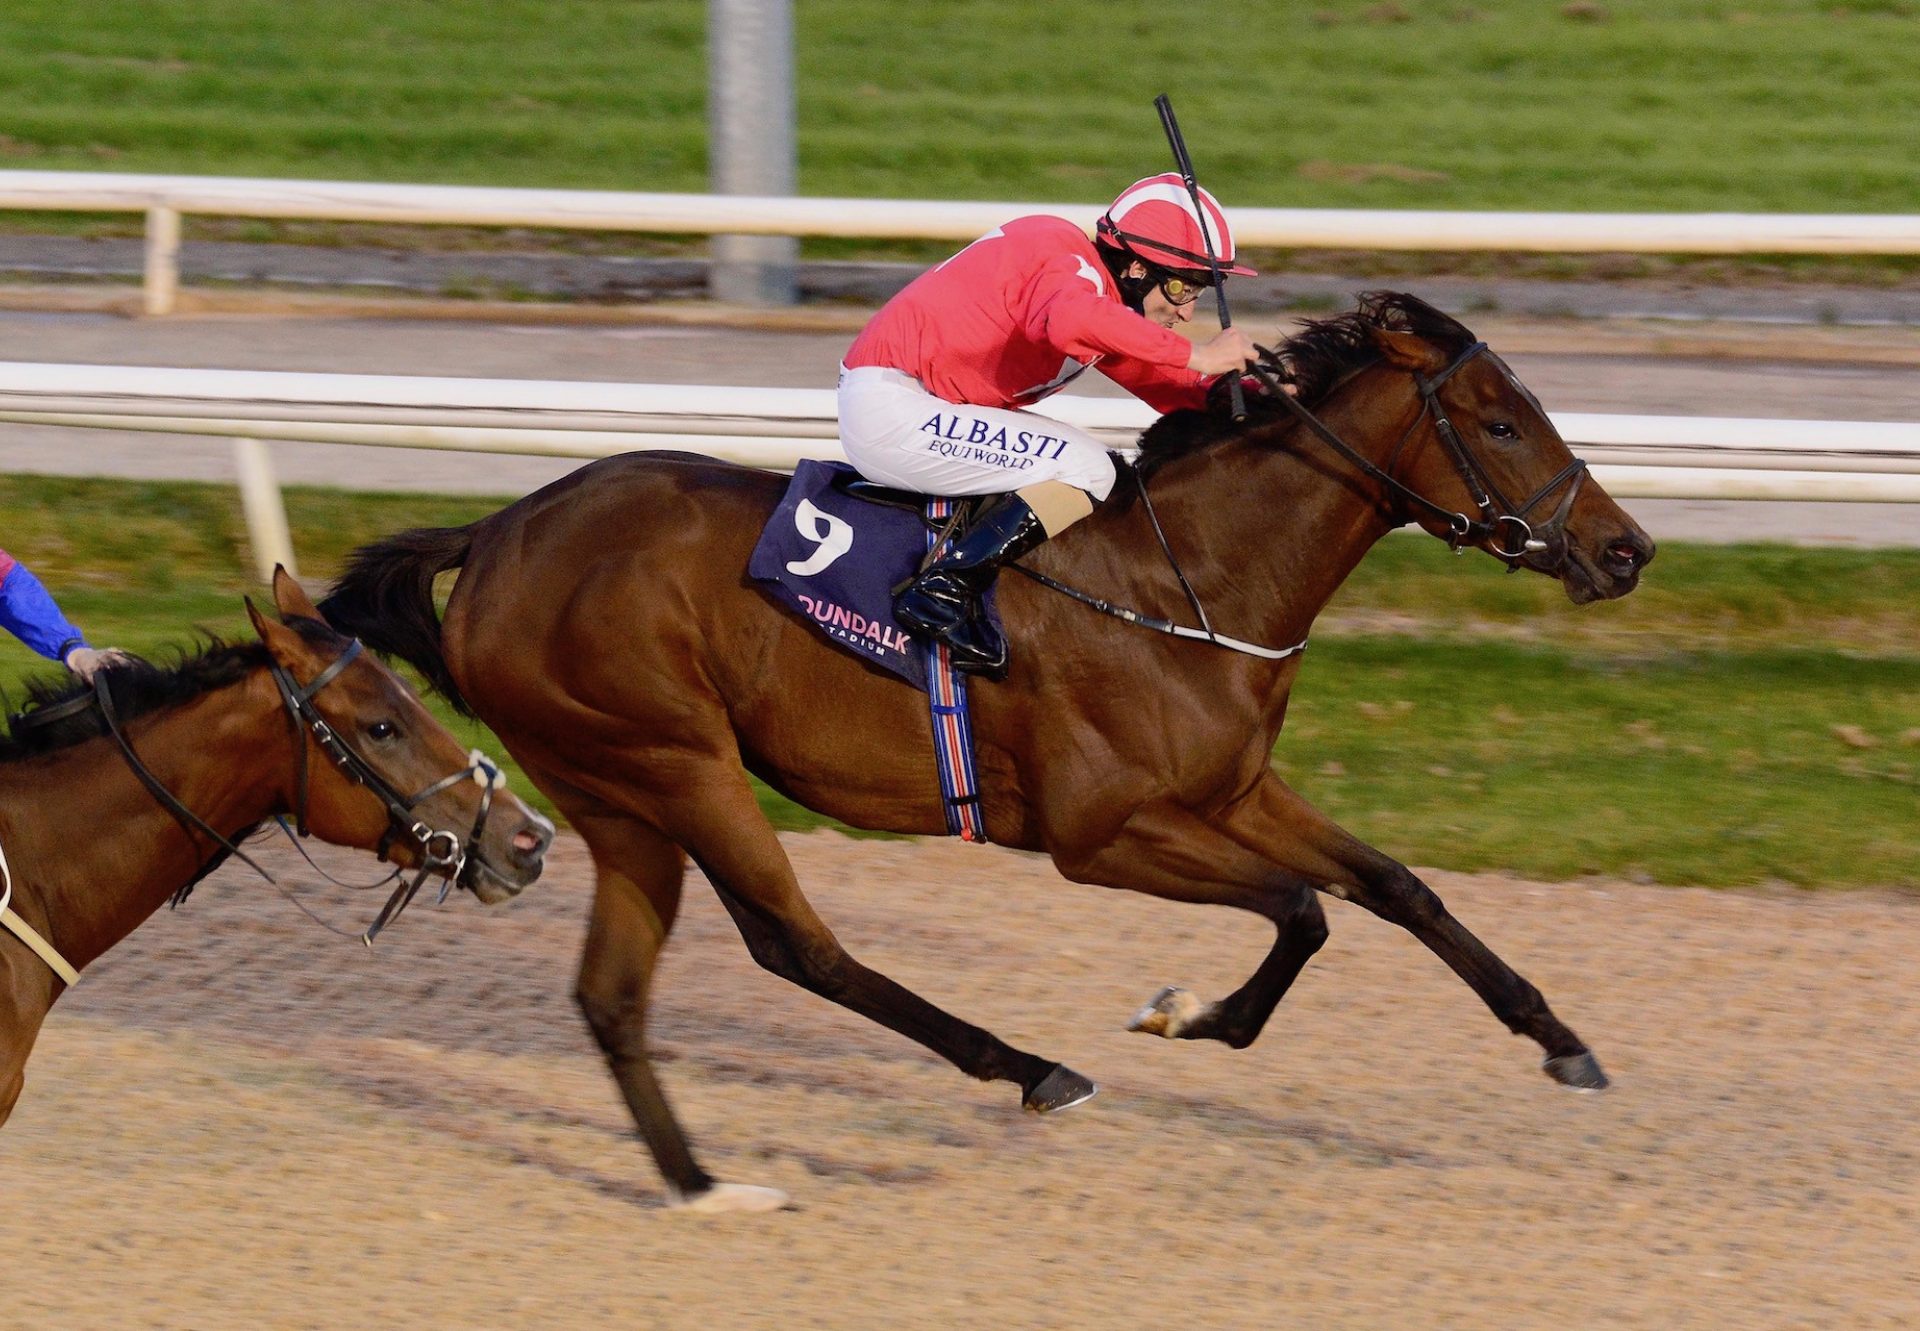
(440, 851)
(1498, 515)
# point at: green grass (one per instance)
(1637, 104)
(1715, 767)
(1745, 598)
(1752, 714)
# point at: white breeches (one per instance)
(897, 433)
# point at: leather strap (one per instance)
(20, 929)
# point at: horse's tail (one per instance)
(385, 598)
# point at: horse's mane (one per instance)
(1316, 360)
(138, 688)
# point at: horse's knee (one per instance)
(823, 971)
(1396, 893)
(1309, 924)
(1298, 915)
(772, 954)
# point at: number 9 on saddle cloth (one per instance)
(835, 559)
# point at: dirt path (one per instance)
(239, 1122)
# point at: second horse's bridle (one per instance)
(1498, 515)
(441, 851)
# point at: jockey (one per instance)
(933, 392)
(28, 612)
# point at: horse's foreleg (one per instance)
(1348, 867)
(737, 849)
(1171, 853)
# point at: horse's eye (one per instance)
(1501, 430)
(383, 730)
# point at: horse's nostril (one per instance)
(530, 841)
(1625, 554)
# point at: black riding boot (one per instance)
(944, 601)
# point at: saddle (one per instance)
(837, 550)
(855, 486)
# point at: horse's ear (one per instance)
(289, 598)
(1408, 351)
(286, 646)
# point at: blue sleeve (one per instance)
(27, 612)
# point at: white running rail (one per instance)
(1681, 457)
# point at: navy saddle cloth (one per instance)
(834, 560)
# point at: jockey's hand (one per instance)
(86, 662)
(1229, 351)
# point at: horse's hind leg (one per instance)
(636, 897)
(736, 848)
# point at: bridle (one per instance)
(441, 852)
(1498, 514)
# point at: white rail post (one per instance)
(750, 142)
(160, 285)
(266, 513)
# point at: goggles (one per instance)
(1180, 291)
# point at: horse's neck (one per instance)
(1265, 530)
(93, 853)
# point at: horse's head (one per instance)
(377, 771)
(1483, 449)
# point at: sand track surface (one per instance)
(238, 1121)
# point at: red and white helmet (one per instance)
(1154, 218)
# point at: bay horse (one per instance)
(606, 629)
(95, 837)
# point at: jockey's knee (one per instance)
(1058, 504)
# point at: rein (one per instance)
(1487, 498)
(1204, 633)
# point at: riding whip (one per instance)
(1184, 165)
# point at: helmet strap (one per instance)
(1119, 258)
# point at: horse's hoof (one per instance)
(1171, 1012)
(1581, 1071)
(731, 1199)
(1063, 1088)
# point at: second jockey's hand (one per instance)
(1228, 351)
